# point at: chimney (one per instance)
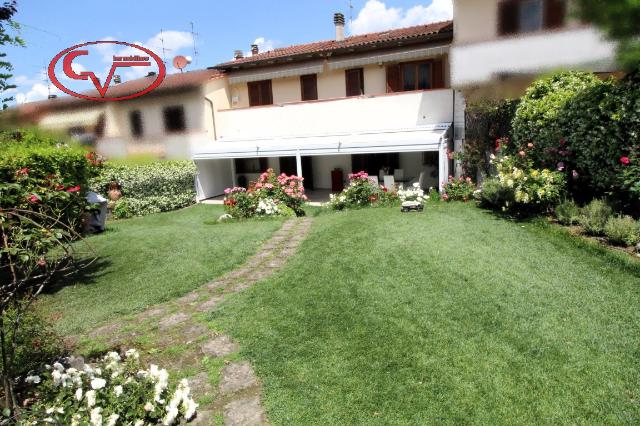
(254, 49)
(238, 54)
(52, 96)
(338, 20)
(151, 73)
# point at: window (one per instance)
(174, 119)
(422, 75)
(355, 82)
(260, 93)
(309, 87)
(523, 16)
(135, 121)
(251, 165)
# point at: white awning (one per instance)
(244, 77)
(424, 138)
(73, 118)
(389, 57)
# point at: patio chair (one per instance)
(398, 174)
(389, 182)
(374, 180)
(380, 175)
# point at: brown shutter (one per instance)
(393, 78)
(437, 73)
(265, 92)
(254, 93)
(354, 82)
(554, 13)
(309, 87)
(508, 17)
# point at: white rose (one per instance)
(98, 383)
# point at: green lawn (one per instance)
(149, 260)
(448, 316)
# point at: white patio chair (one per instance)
(380, 175)
(389, 182)
(398, 174)
(373, 180)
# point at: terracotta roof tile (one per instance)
(416, 32)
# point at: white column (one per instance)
(443, 161)
(298, 163)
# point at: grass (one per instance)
(149, 260)
(444, 317)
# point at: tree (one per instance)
(619, 20)
(7, 10)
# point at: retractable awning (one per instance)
(423, 138)
(291, 71)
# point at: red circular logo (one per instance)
(68, 55)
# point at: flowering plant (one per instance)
(270, 195)
(114, 391)
(460, 189)
(413, 193)
(630, 174)
(361, 192)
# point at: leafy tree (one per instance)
(619, 20)
(7, 10)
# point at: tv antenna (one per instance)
(164, 57)
(350, 13)
(193, 38)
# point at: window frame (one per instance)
(137, 128)
(170, 129)
(416, 65)
(360, 72)
(260, 85)
(314, 79)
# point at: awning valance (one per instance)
(77, 118)
(403, 55)
(245, 77)
(424, 138)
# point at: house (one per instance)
(324, 109)
(500, 46)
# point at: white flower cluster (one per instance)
(414, 193)
(267, 206)
(92, 394)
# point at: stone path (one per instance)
(178, 338)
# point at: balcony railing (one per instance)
(407, 110)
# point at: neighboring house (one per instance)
(367, 102)
(500, 46)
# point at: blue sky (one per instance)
(49, 26)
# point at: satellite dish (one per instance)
(180, 62)
(189, 59)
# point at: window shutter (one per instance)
(354, 82)
(554, 13)
(508, 17)
(309, 87)
(254, 93)
(437, 73)
(266, 94)
(393, 78)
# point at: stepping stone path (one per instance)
(237, 397)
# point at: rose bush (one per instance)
(114, 391)
(270, 195)
(460, 189)
(361, 192)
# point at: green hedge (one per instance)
(148, 188)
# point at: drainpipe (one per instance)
(213, 117)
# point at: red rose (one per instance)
(625, 160)
(74, 188)
(33, 199)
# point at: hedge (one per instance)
(148, 188)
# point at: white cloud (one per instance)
(37, 92)
(376, 16)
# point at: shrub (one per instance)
(567, 212)
(521, 189)
(622, 230)
(114, 391)
(270, 195)
(460, 189)
(361, 192)
(148, 188)
(594, 217)
(413, 193)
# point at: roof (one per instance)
(171, 82)
(419, 33)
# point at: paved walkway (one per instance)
(183, 342)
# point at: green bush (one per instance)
(594, 217)
(460, 189)
(493, 195)
(361, 192)
(622, 230)
(567, 212)
(148, 188)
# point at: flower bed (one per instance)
(270, 195)
(114, 391)
(361, 192)
(460, 189)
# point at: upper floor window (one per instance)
(309, 87)
(421, 75)
(354, 80)
(260, 93)
(523, 16)
(174, 120)
(135, 121)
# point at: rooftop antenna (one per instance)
(350, 14)
(193, 38)
(164, 57)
